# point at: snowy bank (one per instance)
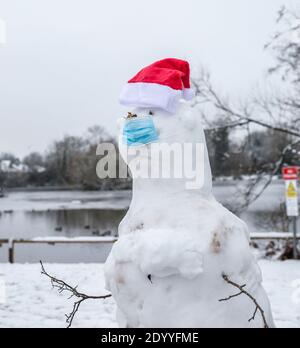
(30, 301)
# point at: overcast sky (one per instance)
(65, 61)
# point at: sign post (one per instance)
(290, 176)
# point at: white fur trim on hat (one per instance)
(140, 94)
(188, 93)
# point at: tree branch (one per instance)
(213, 97)
(250, 199)
(243, 291)
(229, 125)
(62, 286)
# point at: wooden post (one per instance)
(11, 252)
(295, 250)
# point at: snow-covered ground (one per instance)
(30, 301)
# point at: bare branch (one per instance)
(231, 296)
(229, 125)
(254, 314)
(206, 93)
(219, 104)
(62, 286)
(250, 199)
(243, 116)
(243, 291)
(286, 46)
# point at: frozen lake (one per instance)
(95, 213)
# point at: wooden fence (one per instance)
(52, 241)
(105, 240)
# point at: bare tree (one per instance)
(34, 160)
(285, 45)
(278, 114)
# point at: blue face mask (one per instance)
(139, 131)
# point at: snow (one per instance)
(280, 279)
(31, 302)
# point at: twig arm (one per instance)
(62, 286)
(245, 292)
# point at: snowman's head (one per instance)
(159, 145)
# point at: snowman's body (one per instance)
(175, 244)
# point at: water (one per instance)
(26, 215)
(76, 213)
(61, 213)
(57, 223)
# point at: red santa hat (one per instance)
(159, 85)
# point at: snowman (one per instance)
(182, 260)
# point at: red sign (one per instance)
(290, 173)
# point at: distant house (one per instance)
(7, 166)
